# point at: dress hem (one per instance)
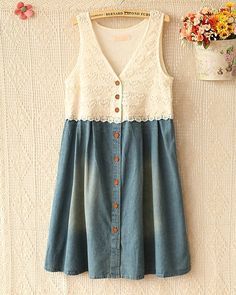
(109, 275)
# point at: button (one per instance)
(117, 82)
(116, 181)
(114, 229)
(116, 134)
(115, 205)
(116, 158)
(117, 96)
(117, 110)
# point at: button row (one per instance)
(116, 135)
(117, 96)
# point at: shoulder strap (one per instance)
(82, 20)
(159, 18)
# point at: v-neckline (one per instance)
(133, 55)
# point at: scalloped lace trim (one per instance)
(114, 120)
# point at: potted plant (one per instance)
(213, 32)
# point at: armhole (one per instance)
(161, 55)
(77, 61)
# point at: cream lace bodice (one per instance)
(144, 88)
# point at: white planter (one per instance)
(217, 62)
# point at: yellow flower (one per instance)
(224, 34)
(221, 26)
(230, 4)
(231, 29)
(225, 12)
(222, 17)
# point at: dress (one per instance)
(118, 211)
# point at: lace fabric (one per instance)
(145, 86)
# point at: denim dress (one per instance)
(117, 210)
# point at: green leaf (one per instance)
(206, 45)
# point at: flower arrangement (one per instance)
(209, 24)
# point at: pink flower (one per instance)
(24, 10)
(195, 29)
(199, 37)
(196, 21)
(191, 16)
(189, 38)
(205, 10)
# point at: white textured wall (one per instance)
(35, 57)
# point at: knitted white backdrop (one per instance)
(36, 56)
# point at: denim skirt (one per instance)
(117, 210)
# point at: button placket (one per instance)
(116, 183)
(117, 99)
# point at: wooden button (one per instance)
(116, 134)
(117, 96)
(117, 82)
(115, 205)
(116, 181)
(117, 110)
(116, 158)
(114, 229)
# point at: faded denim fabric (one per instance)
(151, 235)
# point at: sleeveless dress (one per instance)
(118, 210)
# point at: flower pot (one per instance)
(217, 62)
